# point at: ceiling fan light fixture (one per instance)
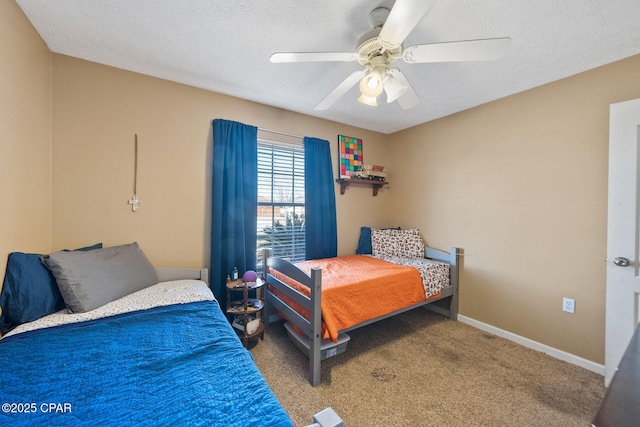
(371, 85)
(393, 88)
(368, 100)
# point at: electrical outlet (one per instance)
(569, 305)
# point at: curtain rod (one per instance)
(280, 133)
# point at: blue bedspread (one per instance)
(176, 365)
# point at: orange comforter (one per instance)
(358, 288)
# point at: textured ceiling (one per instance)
(224, 46)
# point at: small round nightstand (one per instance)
(246, 312)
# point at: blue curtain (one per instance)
(234, 202)
(321, 234)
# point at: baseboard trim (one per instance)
(534, 345)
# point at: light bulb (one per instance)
(372, 81)
(371, 84)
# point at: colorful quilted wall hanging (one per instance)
(350, 153)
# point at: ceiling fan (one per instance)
(382, 46)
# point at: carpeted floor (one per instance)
(421, 369)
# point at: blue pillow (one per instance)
(364, 244)
(29, 290)
(87, 248)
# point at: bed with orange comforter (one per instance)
(324, 298)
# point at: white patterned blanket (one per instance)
(164, 293)
(434, 274)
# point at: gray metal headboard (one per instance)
(167, 274)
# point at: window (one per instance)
(280, 200)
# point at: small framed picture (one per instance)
(350, 155)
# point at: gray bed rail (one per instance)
(312, 327)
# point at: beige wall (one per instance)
(25, 136)
(97, 111)
(521, 185)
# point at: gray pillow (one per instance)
(88, 280)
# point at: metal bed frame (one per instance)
(166, 274)
(312, 327)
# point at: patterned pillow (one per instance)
(403, 243)
(364, 244)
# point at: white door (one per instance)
(623, 260)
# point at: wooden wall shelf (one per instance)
(344, 183)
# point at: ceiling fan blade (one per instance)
(470, 50)
(341, 89)
(404, 16)
(312, 56)
(409, 98)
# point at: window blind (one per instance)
(280, 223)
